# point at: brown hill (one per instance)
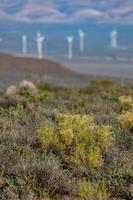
(14, 69)
(32, 65)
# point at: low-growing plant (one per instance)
(26, 95)
(106, 83)
(90, 191)
(119, 182)
(77, 139)
(126, 120)
(126, 102)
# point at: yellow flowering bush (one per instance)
(77, 139)
(89, 191)
(126, 120)
(94, 157)
(126, 100)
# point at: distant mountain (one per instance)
(14, 69)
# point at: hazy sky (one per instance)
(67, 11)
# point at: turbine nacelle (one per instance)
(114, 33)
(70, 47)
(70, 39)
(40, 36)
(24, 37)
(81, 33)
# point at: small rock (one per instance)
(2, 182)
(27, 84)
(11, 90)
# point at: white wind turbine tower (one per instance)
(24, 44)
(40, 39)
(114, 39)
(70, 47)
(81, 37)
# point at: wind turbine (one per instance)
(24, 44)
(70, 47)
(114, 39)
(1, 40)
(40, 39)
(81, 37)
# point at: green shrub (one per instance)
(119, 182)
(106, 83)
(28, 97)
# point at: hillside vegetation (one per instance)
(61, 143)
